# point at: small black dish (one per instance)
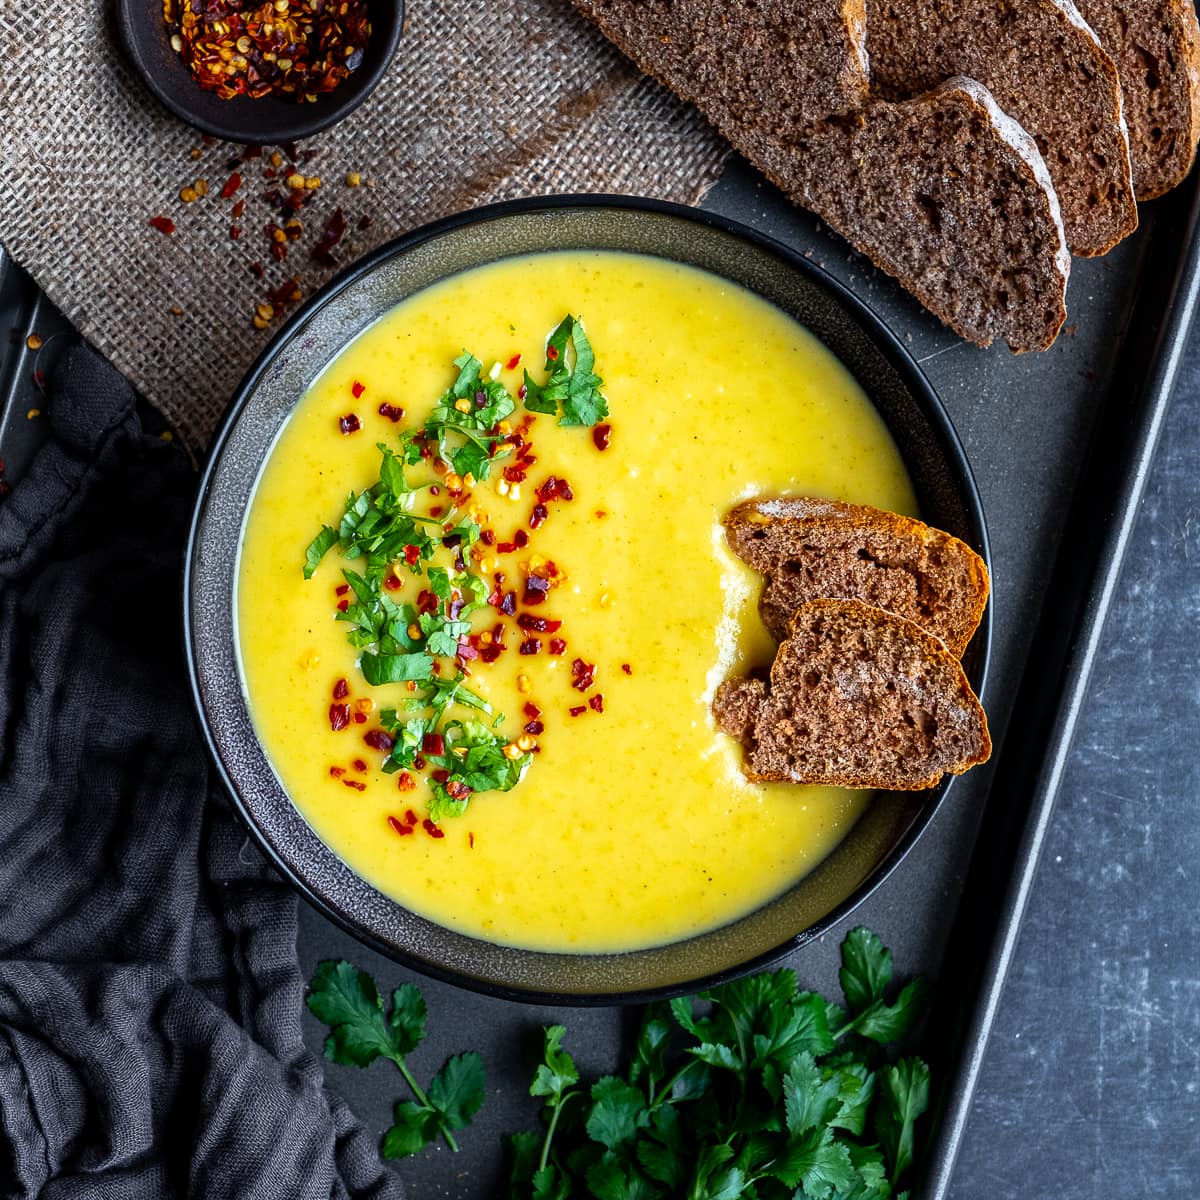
(269, 120)
(317, 332)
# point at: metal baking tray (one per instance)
(1060, 444)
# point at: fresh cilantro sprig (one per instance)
(362, 1030)
(572, 388)
(755, 1089)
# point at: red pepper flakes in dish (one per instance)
(602, 436)
(349, 424)
(337, 772)
(578, 710)
(339, 716)
(274, 48)
(627, 668)
(583, 675)
(341, 689)
(378, 739)
(405, 782)
(431, 829)
(558, 645)
(354, 783)
(391, 411)
(399, 826)
(360, 766)
(596, 703)
(357, 389)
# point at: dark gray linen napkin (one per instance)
(150, 998)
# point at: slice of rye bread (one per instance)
(1156, 44)
(945, 192)
(857, 697)
(781, 65)
(809, 549)
(1046, 69)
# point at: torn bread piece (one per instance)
(809, 549)
(857, 698)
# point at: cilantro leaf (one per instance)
(395, 668)
(456, 1092)
(572, 384)
(557, 1072)
(346, 999)
(318, 548)
(618, 1112)
(866, 969)
(905, 1096)
(414, 1127)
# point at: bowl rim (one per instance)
(894, 353)
(309, 121)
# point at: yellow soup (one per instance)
(633, 825)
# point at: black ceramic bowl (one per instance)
(266, 121)
(360, 295)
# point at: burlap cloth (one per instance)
(486, 100)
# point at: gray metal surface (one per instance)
(1089, 1086)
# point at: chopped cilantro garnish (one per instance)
(380, 534)
(573, 385)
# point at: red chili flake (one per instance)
(535, 589)
(431, 829)
(583, 675)
(341, 690)
(436, 510)
(534, 728)
(508, 606)
(278, 251)
(471, 840)
(434, 744)
(349, 423)
(235, 232)
(257, 270)
(554, 489)
(354, 783)
(487, 537)
(410, 817)
(406, 783)
(558, 645)
(335, 230)
(343, 605)
(427, 602)
(602, 435)
(339, 716)
(237, 210)
(522, 392)
(360, 718)
(531, 709)
(627, 668)
(513, 363)
(521, 538)
(364, 222)
(551, 353)
(391, 411)
(596, 703)
(399, 826)
(538, 624)
(530, 646)
(231, 185)
(514, 474)
(538, 516)
(412, 555)
(578, 710)
(457, 790)
(359, 765)
(358, 388)
(392, 583)
(337, 772)
(489, 654)
(341, 590)
(379, 739)
(440, 775)
(506, 547)
(466, 651)
(163, 224)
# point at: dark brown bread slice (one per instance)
(857, 698)
(1046, 69)
(1156, 45)
(779, 64)
(945, 192)
(810, 549)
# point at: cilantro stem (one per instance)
(560, 1104)
(421, 1098)
(669, 1086)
